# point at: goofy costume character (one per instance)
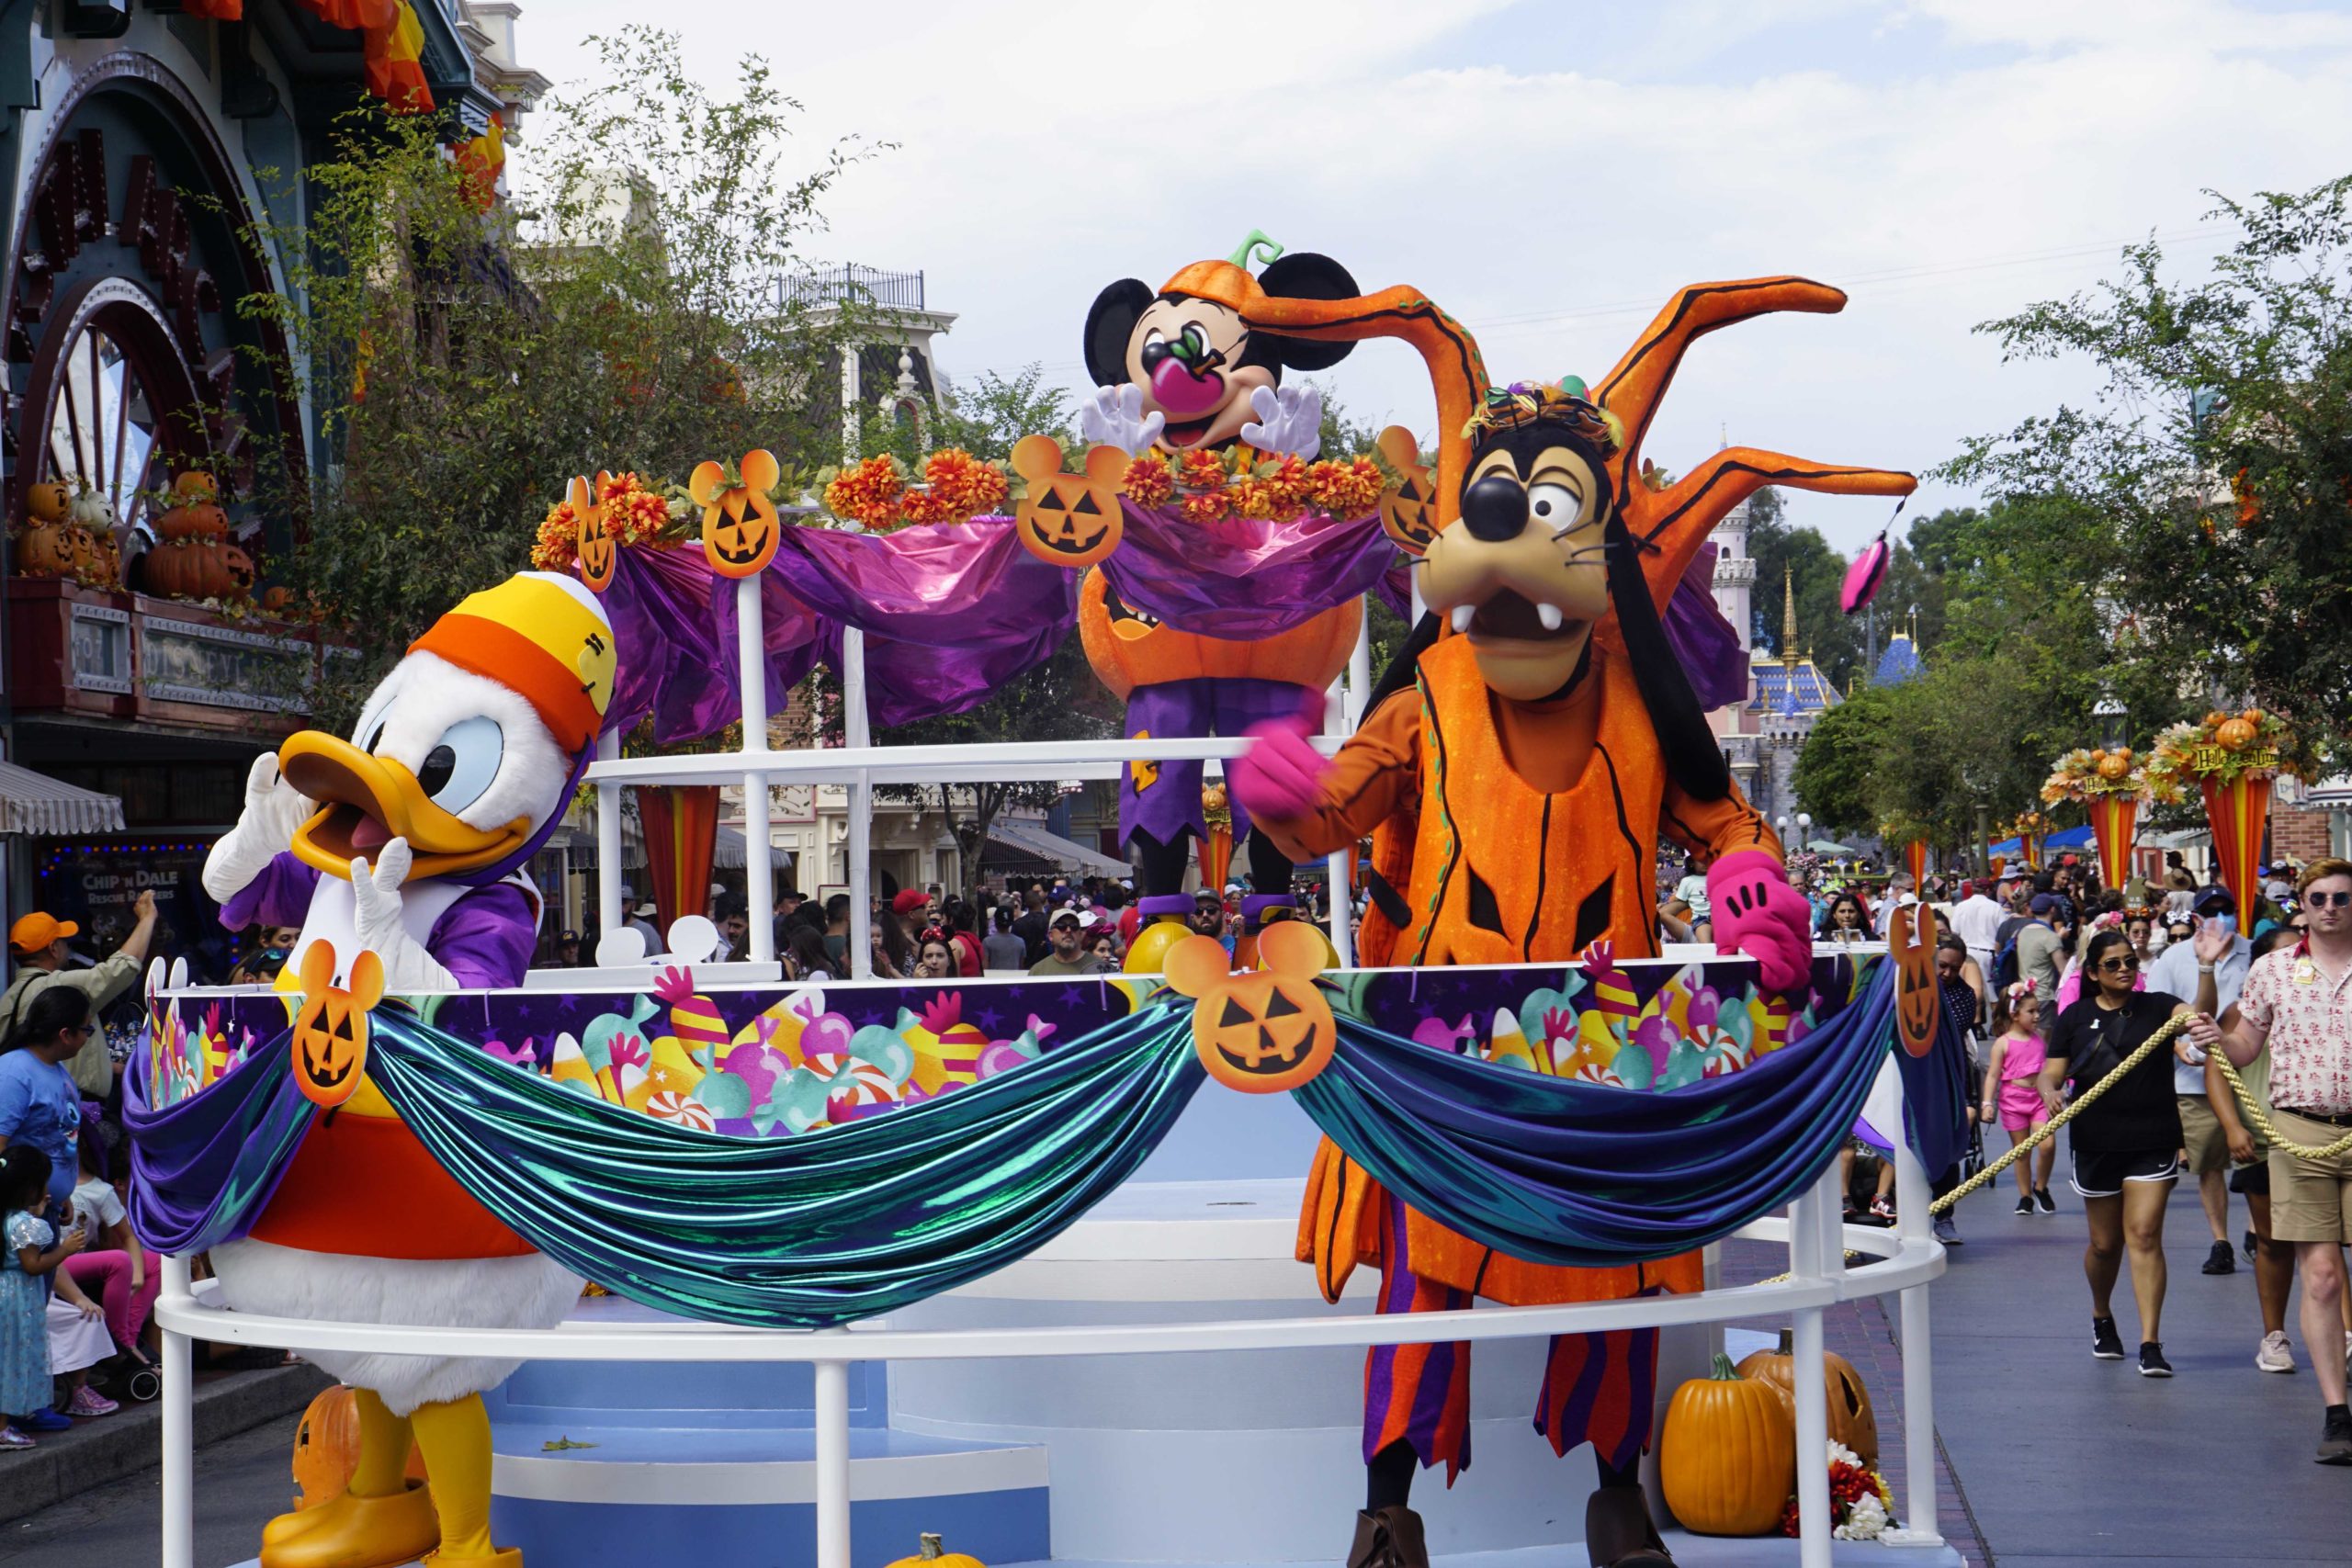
(461, 764)
(1516, 769)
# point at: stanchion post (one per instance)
(858, 733)
(759, 851)
(1913, 1223)
(832, 1461)
(608, 841)
(1812, 1235)
(179, 1428)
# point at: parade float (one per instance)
(1054, 1270)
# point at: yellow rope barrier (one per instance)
(2261, 1119)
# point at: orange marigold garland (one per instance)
(1208, 506)
(1197, 469)
(1149, 480)
(1350, 489)
(966, 486)
(634, 515)
(868, 492)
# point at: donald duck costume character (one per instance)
(407, 841)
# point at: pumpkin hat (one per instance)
(471, 747)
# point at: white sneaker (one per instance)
(2276, 1354)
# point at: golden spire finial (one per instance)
(1789, 619)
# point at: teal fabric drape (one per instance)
(1554, 1170)
(811, 1231)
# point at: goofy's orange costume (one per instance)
(1515, 771)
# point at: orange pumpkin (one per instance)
(194, 569)
(597, 550)
(330, 1042)
(740, 526)
(1129, 647)
(1408, 508)
(44, 549)
(1919, 1002)
(2216, 716)
(326, 1448)
(1262, 1032)
(238, 567)
(1069, 520)
(2235, 735)
(277, 599)
(2252, 715)
(46, 501)
(2115, 764)
(1727, 1454)
(1851, 1420)
(932, 1557)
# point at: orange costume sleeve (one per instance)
(1372, 778)
(1716, 827)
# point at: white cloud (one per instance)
(1946, 160)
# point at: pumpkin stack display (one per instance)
(44, 545)
(1851, 1420)
(1727, 1456)
(193, 560)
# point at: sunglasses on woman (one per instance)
(2123, 966)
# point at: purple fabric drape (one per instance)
(205, 1167)
(1713, 653)
(1396, 587)
(1240, 579)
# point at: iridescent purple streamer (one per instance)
(1243, 578)
(205, 1169)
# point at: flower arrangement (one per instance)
(2083, 776)
(1860, 1507)
(2030, 825)
(1210, 486)
(635, 513)
(880, 494)
(2225, 748)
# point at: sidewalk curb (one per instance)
(110, 1447)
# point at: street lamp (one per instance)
(2113, 722)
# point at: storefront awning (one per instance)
(35, 803)
(1034, 843)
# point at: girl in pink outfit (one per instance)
(115, 1270)
(2009, 1091)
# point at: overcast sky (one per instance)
(1551, 172)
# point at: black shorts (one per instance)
(2254, 1178)
(2102, 1175)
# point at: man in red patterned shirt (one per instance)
(2298, 1001)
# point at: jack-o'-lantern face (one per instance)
(739, 524)
(330, 1041)
(1069, 520)
(1263, 1033)
(240, 567)
(598, 553)
(1917, 1002)
(1408, 508)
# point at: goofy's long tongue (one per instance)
(1183, 394)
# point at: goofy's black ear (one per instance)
(1302, 274)
(1109, 324)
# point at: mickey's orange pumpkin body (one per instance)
(1129, 647)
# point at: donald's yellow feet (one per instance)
(354, 1532)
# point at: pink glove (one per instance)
(1280, 778)
(1756, 913)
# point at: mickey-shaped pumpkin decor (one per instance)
(739, 524)
(1069, 520)
(1917, 1000)
(1262, 1032)
(1409, 507)
(598, 552)
(331, 1029)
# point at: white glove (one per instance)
(1289, 422)
(1115, 417)
(375, 920)
(274, 809)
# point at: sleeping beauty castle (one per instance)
(1787, 692)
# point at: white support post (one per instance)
(1341, 864)
(609, 843)
(1913, 1223)
(858, 732)
(832, 1462)
(1813, 1232)
(759, 851)
(179, 1428)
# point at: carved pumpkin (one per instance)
(326, 1448)
(194, 513)
(1727, 1454)
(739, 524)
(2235, 735)
(1129, 647)
(1918, 1004)
(932, 1557)
(277, 599)
(1408, 508)
(599, 553)
(196, 568)
(95, 561)
(1851, 1420)
(44, 549)
(1260, 1033)
(2115, 764)
(238, 567)
(46, 501)
(330, 1042)
(1069, 520)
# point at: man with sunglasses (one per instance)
(2298, 1002)
(2218, 953)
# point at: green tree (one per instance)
(987, 417)
(2216, 461)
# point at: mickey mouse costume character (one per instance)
(1522, 757)
(1188, 368)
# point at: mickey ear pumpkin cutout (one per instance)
(598, 553)
(1409, 507)
(1917, 1000)
(1069, 519)
(1262, 1032)
(330, 1042)
(741, 525)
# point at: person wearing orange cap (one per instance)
(38, 941)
